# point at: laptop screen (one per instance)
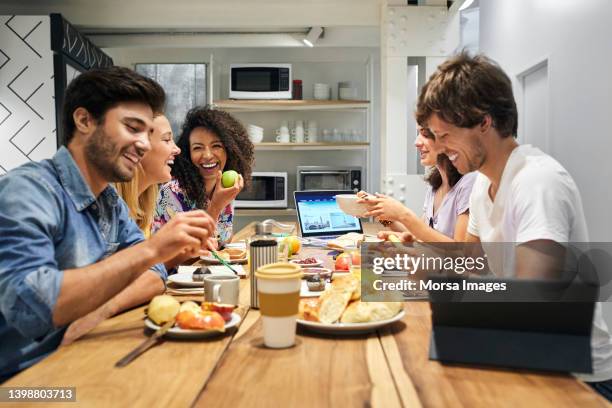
(319, 214)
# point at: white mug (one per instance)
(221, 289)
(282, 135)
(298, 132)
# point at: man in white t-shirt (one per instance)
(521, 196)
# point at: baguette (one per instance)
(349, 284)
(332, 304)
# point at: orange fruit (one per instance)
(294, 244)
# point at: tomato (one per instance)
(342, 260)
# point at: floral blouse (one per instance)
(172, 195)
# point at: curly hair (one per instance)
(238, 147)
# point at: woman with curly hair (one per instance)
(211, 141)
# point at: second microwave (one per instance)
(266, 190)
(260, 81)
(329, 178)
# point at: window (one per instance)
(185, 86)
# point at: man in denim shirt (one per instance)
(69, 253)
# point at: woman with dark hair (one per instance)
(446, 207)
(211, 142)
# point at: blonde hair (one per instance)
(141, 206)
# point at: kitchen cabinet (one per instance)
(326, 112)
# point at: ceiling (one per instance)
(198, 15)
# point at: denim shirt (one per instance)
(50, 221)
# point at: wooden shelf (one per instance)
(310, 146)
(264, 212)
(290, 105)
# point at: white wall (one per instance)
(575, 37)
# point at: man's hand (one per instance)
(222, 197)
(186, 233)
(384, 208)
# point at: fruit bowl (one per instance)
(348, 203)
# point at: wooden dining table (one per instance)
(386, 368)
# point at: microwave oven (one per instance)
(329, 178)
(266, 190)
(260, 81)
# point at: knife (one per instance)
(147, 344)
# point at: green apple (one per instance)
(228, 178)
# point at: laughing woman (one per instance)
(140, 194)
(211, 141)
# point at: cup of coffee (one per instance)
(278, 286)
(222, 289)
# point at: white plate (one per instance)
(214, 261)
(224, 270)
(185, 280)
(178, 333)
(349, 328)
(305, 292)
(318, 264)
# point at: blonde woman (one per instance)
(140, 194)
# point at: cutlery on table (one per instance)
(147, 344)
(223, 261)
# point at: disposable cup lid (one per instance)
(279, 270)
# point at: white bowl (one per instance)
(348, 203)
(256, 133)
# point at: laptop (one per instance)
(320, 217)
(551, 336)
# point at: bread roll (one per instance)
(362, 312)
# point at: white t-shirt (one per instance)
(536, 199)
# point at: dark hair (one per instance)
(235, 140)
(464, 89)
(99, 90)
(434, 178)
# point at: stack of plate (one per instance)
(321, 91)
